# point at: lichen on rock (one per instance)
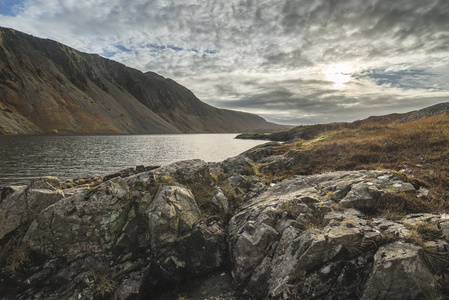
(321, 236)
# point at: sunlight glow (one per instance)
(339, 74)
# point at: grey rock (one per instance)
(23, 204)
(46, 183)
(141, 232)
(275, 162)
(220, 200)
(274, 257)
(187, 171)
(361, 196)
(172, 213)
(239, 165)
(302, 238)
(398, 273)
(260, 152)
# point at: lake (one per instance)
(23, 158)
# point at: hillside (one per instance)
(307, 132)
(417, 150)
(47, 87)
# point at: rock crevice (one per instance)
(321, 236)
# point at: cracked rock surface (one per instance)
(217, 231)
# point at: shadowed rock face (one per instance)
(156, 235)
(48, 87)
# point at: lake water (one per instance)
(23, 158)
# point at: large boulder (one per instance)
(398, 273)
(239, 165)
(182, 242)
(188, 171)
(87, 223)
(122, 238)
(20, 204)
(307, 237)
(172, 213)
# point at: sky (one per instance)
(290, 61)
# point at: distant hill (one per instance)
(308, 132)
(48, 87)
(425, 112)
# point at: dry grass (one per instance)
(313, 219)
(421, 147)
(105, 282)
(428, 232)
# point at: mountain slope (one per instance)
(48, 87)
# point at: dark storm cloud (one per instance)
(270, 57)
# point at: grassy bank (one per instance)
(417, 150)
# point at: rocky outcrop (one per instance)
(308, 237)
(185, 228)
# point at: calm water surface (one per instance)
(23, 158)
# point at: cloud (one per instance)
(266, 56)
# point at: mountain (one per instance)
(48, 87)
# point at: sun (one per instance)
(339, 74)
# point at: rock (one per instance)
(172, 213)
(239, 165)
(306, 237)
(8, 190)
(129, 172)
(46, 183)
(220, 201)
(288, 242)
(131, 232)
(273, 163)
(412, 220)
(250, 186)
(184, 246)
(188, 171)
(361, 196)
(21, 205)
(79, 225)
(260, 152)
(398, 273)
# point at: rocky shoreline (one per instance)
(197, 230)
